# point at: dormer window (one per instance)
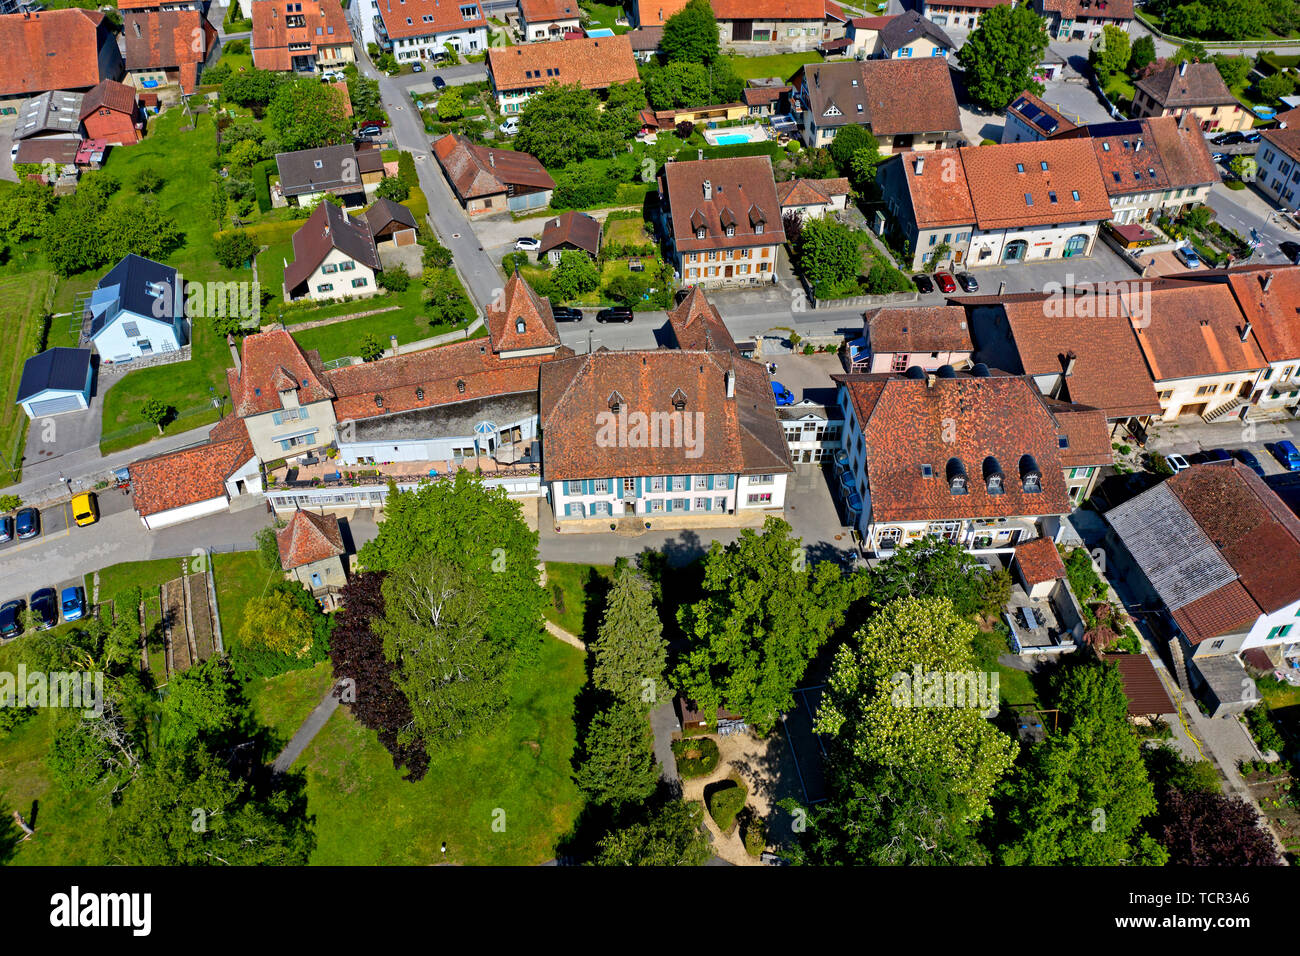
(992, 476)
(699, 233)
(419, 394)
(758, 228)
(679, 399)
(460, 385)
(1031, 478)
(615, 402)
(956, 473)
(731, 230)
(379, 401)
(519, 325)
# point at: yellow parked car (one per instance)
(85, 510)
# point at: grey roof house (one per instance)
(137, 310)
(55, 381)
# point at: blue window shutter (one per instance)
(284, 446)
(275, 418)
(731, 481)
(668, 505)
(564, 487)
(640, 486)
(710, 482)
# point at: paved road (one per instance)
(1246, 210)
(481, 275)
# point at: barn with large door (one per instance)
(56, 381)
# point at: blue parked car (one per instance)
(73, 601)
(29, 523)
(1287, 453)
(1248, 459)
(782, 394)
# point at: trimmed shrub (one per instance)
(262, 183)
(726, 799)
(755, 833)
(696, 756)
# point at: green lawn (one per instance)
(577, 595)
(282, 703)
(784, 65)
(1014, 686)
(26, 298)
(632, 231)
(518, 774)
(184, 160)
(239, 578)
(117, 578)
(604, 15)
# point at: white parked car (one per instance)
(510, 126)
(13, 153)
(527, 244)
(1177, 463)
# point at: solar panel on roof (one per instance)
(1048, 124)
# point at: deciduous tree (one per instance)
(1000, 54)
(307, 113)
(691, 34)
(671, 835)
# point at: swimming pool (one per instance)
(732, 138)
(600, 33)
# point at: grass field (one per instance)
(26, 299)
(132, 574)
(183, 158)
(603, 16)
(282, 703)
(1014, 686)
(784, 65)
(239, 578)
(577, 595)
(631, 231)
(518, 775)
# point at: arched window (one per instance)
(1015, 251)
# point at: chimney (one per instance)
(392, 343)
(1182, 68)
(731, 383)
(930, 379)
(708, 190)
(1070, 359)
(1245, 332)
(920, 165)
(699, 153)
(1268, 280)
(1137, 148)
(234, 354)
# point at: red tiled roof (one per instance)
(273, 357)
(575, 228)
(1129, 162)
(51, 50)
(109, 95)
(739, 435)
(1090, 9)
(324, 25)
(1039, 561)
(519, 303)
(1109, 371)
(938, 192)
(1183, 148)
(308, 538)
(761, 95)
(397, 13)
(1194, 329)
(1063, 125)
(1254, 531)
(1142, 686)
(697, 325)
(1225, 610)
(937, 328)
(810, 192)
(169, 39)
(894, 97)
(1287, 140)
(742, 195)
(769, 9)
(540, 11)
(460, 372)
(476, 171)
(962, 4)
(191, 475)
(1201, 85)
(1085, 431)
(656, 12)
(1274, 313)
(998, 188)
(944, 423)
(594, 63)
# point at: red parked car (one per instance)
(945, 281)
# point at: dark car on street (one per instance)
(563, 313)
(1210, 456)
(11, 618)
(439, 83)
(967, 282)
(1292, 252)
(29, 523)
(616, 314)
(1247, 458)
(923, 283)
(6, 528)
(45, 605)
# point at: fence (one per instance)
(181, 354)
(182, 415)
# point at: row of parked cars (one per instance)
(563, 313)
(946, 282)
(26, 522)
(47, 606)
(1284, 451)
